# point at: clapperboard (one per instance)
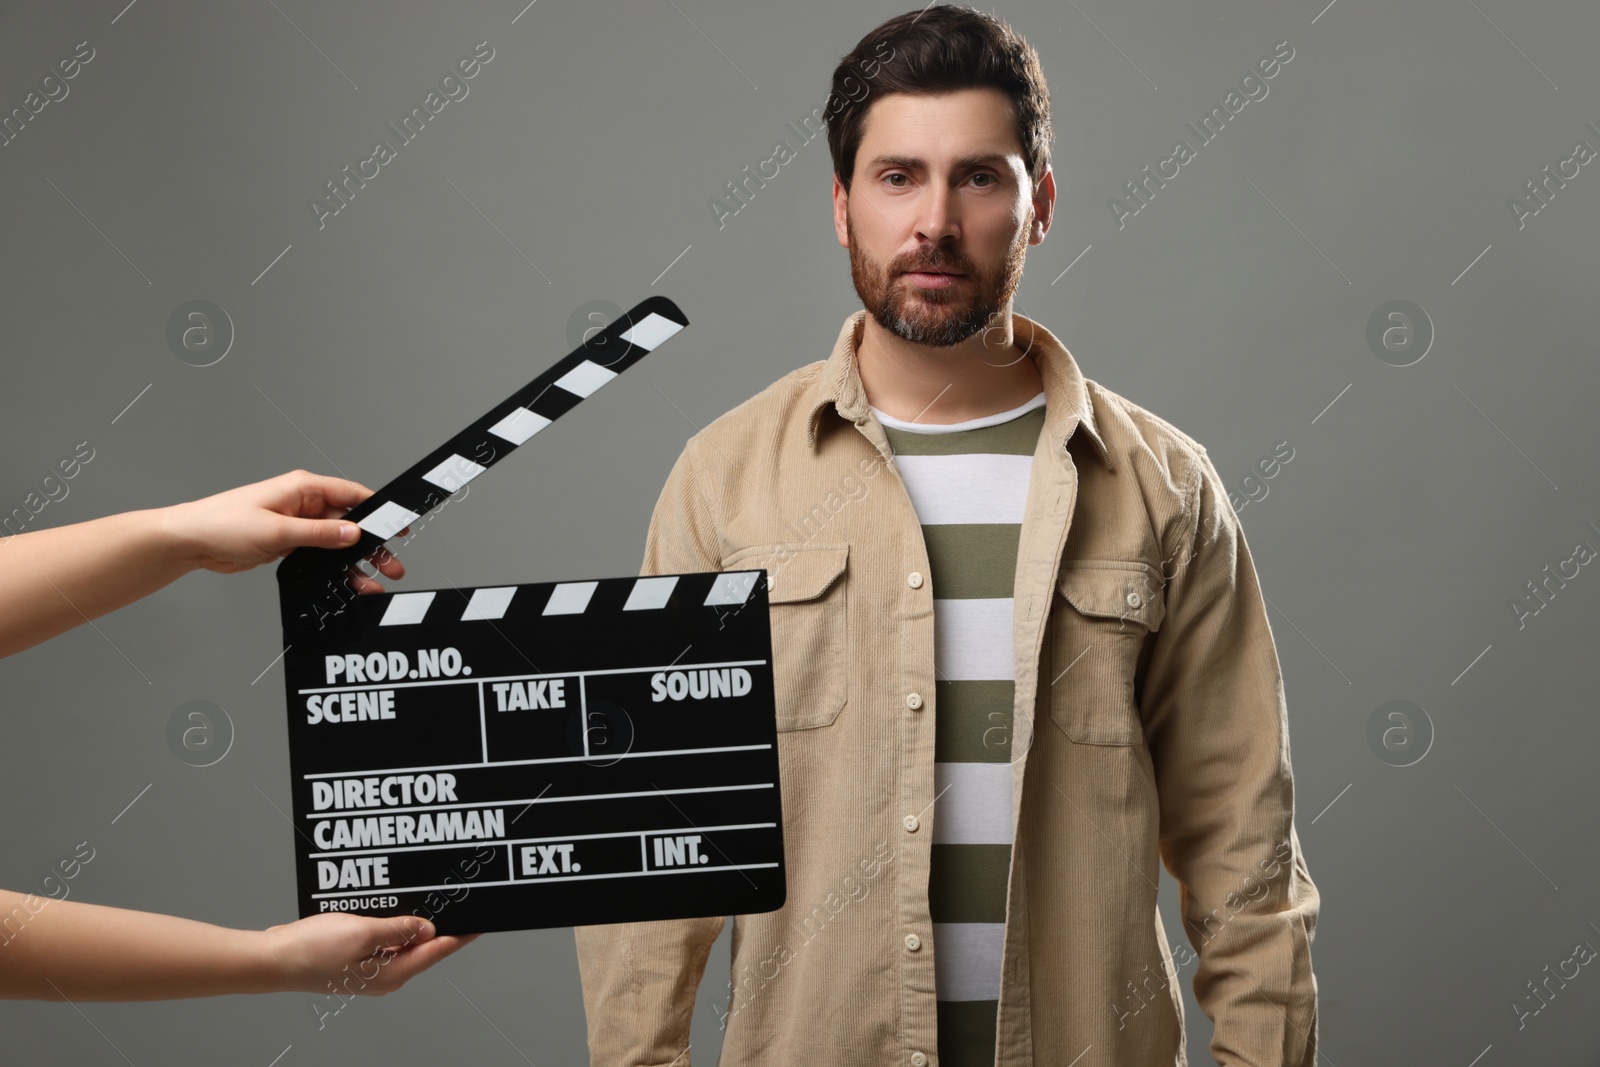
(520, 756)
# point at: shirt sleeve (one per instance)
(1217, 728)
(640, 979)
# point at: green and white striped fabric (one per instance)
(969, 483)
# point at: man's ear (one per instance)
(841, 204)
(1044, 202)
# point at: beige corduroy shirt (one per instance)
(1149, 727)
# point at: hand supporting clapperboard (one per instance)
(520, 756)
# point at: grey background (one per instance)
(1419, 501)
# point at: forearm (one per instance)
(53, 580)
(90, 952)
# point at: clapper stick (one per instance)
(311, 580)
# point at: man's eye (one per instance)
(985, 174)
(890, 178)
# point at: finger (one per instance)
(419, 957)
(393, 936)
(332, 492)
(360, 583)
(388, 563)
(313, 533)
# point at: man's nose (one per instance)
(938, 217)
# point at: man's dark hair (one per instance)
(939, 50)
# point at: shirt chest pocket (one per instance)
(1101, 615)
(806, 593)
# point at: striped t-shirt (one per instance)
(969, 483)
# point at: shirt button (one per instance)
(914, 701)
(913, 942)
(914, 579)
(918, 1060)
(911, 823)
(1133, 600)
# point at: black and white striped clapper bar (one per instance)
(546, 754)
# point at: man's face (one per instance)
(939, 213)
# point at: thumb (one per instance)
(322, 533)
(414, 931)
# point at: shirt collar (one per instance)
(1067, 406)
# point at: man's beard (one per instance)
(938, 318)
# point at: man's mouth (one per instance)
(934, 277)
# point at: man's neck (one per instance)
(983, 375)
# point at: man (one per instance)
(1019, 650)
